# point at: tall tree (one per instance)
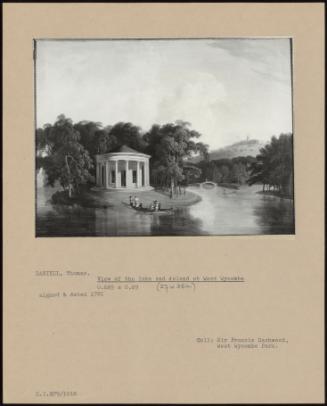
(87, 131)
(65, 160)
(225, 172)
(191, 173)
(127, 134)
(169, 145)
(274, 165)
(217, 175)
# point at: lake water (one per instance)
(220, 212)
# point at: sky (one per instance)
(228, 89)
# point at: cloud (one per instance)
(272, 76)
(269, 58)
(225, 88)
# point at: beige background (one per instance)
(140, 346)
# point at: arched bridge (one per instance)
(207, 184)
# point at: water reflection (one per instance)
(121, 222)
(243, 211)
(179, 223)
(276, 218)
(220, 212)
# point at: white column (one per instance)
(97, 175)
(107, 175)
(126, 174)
(138, 179)
(101, 175)
(147, 173)
(142, 173)
(116, 173)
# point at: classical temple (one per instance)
(123, 168)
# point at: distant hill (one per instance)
(241, 148)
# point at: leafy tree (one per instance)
(225, 172)
(191, 173)
(126, 134)
(274, 165)
(204, 150)
(66, 151)
(238, 172)
(217, 176)
(87, 131)
(169, 145)
(66, 160)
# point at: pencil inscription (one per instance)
(243, 343)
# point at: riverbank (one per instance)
(229, 185)
(275, 194)
(220, 212)
(112, 198)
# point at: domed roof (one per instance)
(125, 148)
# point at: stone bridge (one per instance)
(207, 184)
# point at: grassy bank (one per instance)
(229, 185)
(113, 198)
(275, 193)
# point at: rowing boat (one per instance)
(149, 211)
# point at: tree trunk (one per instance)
(69, 176)
(171, 187)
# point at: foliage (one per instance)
(191, 173)
(169, 145)
(67, 151)
(127, 134)
(225, 170)
(66, 160)
(274, 165)
(97, 139)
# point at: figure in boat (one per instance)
(155, 206)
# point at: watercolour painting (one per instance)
(169, 137)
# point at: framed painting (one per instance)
(188, 138)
